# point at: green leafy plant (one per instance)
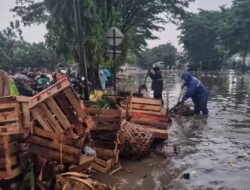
(105, 103)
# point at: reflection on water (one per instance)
(214, 151)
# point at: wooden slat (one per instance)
(8, 149)
(57, 137)
(49, 92)
(24, 99)
(101, 162)
(146, 112)
(26, 115)
(99, 168)
(150, 122)
(106, 118)
(104, 112)
(51, 103)
(8, 116)
(65, 107)
(146, 101)
(10, 138)
(85, 162)
(103, 166)
(38, 116)
(89, 121)
(47, 153)
(146, 107)
(157, 133)
(11, 129)
(155, 117)
(54, 123)
(109, 127)
(10, 174)
(12, 161)
(76, 103)
(7, 105)
(54, 145)
(105, 153)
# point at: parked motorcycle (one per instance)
(77, 83)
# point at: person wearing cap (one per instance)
(61, 72)
(157, 81)
(197, 91)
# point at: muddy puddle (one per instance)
(214, 152)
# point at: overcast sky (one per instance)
(36, 33)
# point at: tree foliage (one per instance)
(18, 53)
(211, 36)
(199, 35)
(235, 32)
(136, 18)
(166, 53)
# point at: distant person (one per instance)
(38, 72)
(103, 79)
(157, 82)
(61, 72)
(197, 91)
(22, 83)
(108, 76)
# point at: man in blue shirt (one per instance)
(107, 75)
(197, 91)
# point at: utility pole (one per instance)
(81, 50)
(114, 58)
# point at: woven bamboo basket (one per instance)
(134, 142)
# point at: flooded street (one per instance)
(214, 152)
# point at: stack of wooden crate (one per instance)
(59, 123)
(14, 121)
(9, 151)
(103, 138)
(147, 113)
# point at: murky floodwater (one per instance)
(215, 151)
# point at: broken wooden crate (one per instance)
(58, 109)
(107, 156)
(148, 113)
(9, 151)
(14, 115)
(54, 146)
(103, 137)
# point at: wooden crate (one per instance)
(145, 105)
(148, 114)
(103, 135)
(107, 156)
(14, 115)
(104, 119)
(58, 109)
(54, 146)
(9, 150)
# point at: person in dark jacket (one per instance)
(197, 91)
(157, 82)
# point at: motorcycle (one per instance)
(77, 83)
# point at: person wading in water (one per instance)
(157, 81)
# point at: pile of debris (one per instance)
(62, 134)
(181, 109)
